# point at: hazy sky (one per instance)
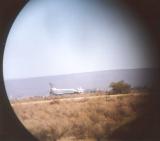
(51, 37)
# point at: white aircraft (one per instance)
(55, 91)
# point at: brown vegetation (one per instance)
(87, 119)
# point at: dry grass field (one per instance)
(79, 119)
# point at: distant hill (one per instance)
(39, 86)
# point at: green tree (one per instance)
(120, 87)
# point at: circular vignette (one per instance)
(6, 95)
(10, 126)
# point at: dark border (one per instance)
(11, 128)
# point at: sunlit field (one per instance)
(83, 117)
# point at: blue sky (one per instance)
(52, 37)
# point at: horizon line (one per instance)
(32, 77)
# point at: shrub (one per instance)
(120, 87)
